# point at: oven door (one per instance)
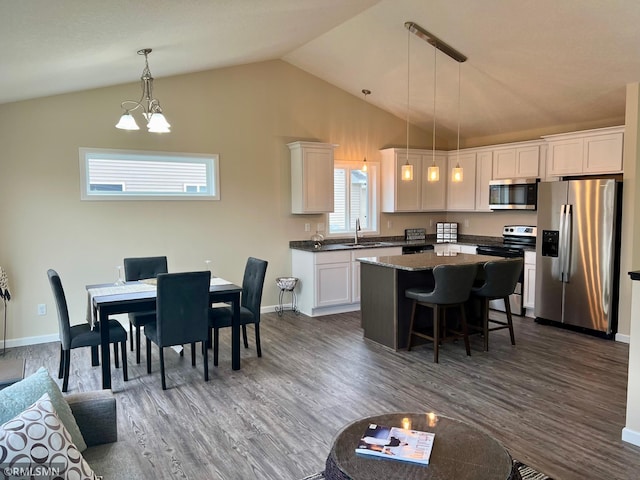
(515, 299)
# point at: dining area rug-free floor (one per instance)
(526, 472)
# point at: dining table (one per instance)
(140, 296)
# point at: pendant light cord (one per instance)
(458, 154)
(408, 83)
(433, 140)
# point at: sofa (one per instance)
(95, 414)
(76, 432)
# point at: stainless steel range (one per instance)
(515, 240)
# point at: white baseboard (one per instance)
(622, 338)
(631, 436)
(21, 342)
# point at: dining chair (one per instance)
(182, 306)
(499, 281)
(141, 268)
(250, 300)
(77, 336)
(452, 288)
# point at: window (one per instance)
(137, 175)
(355, 196)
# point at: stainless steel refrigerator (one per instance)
(577, 253)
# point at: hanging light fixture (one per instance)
(458, 57)
(406, 172)
(433, 173)
(457, 171)
(156, 122)
(366, 143)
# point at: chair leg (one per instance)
(257, 330)
(148, 356)
(116, 357)
(67, 366)
(131, 336)
(95, 357)
(436, 332)
(137, 344)
(465, 329)
(507, 307)
(123, 349)
(244, 336)
(61, 368)
(205, 359)
(193, 354)
(485, 323)
(413, 317)
(216, 338)
(164, 382)
(209, 339)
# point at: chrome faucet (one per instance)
(355, 240)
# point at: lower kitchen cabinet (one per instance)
(529, 288)
(329, 282)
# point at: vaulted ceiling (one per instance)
(531, 65)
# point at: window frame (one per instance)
(373, 196)
(211, 162)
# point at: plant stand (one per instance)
(287, 284)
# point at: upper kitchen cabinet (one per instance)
(584, 153)
(522, 161)
(484, 173)
(417, 195)
(311, 177)
(461, 196)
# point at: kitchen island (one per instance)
(385, 311)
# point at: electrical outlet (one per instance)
(389, 224)
(431, 222)
(42, 309)
(466, 222)
(320, 227)
(307, 227)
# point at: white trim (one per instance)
(24, 341)
(623, 338)
(631, 436)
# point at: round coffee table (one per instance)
(460, 452)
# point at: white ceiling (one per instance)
(531, 64)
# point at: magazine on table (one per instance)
(396, 443)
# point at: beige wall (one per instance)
(247, 115)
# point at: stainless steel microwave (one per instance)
(516, 194)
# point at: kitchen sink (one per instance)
(367, 244)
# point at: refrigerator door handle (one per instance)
(561, 242)
(566, 244)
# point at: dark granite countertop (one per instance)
(424, 261)
(635, 275)
(333, 244)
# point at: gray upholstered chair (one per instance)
(82, 335)
(252, 284)
(182, 307)
(141, 268)
(452, 288)
(500, 279)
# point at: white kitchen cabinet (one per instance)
(329, 282)
(311, 177)
(449, 248)
(484, 175)
(585, 153)
(417, 195)
(529, 287)
(355, 265)
(517, 162)
(461, 196)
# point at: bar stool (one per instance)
(452, 288)
(500, 279)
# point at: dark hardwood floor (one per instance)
(556, 400)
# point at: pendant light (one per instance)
(365, 92)
(430, 38)
(406, 171)
(456, 173)
(433, 173)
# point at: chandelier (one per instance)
(156, 122)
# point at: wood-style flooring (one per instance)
(556, 400)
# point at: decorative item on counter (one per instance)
(317, 239)
(446, 232)
(415, 234)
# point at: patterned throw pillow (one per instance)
(17, 397)
(36, 444)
